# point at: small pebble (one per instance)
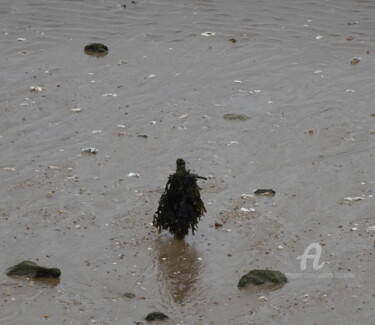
(355, 60)
(208, 34)
(36, 89)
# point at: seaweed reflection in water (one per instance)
(179, 268)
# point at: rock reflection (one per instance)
(179, 268)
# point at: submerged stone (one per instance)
(33, 270)
(240, 117)
(129, 295)
(96, 49)
(265, 192)
(156, 316)
(259, 277)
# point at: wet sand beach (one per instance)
(173, 70)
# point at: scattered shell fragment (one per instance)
(96, 131)
(9, 169)
(36, 89)
(247, 210)
(133, 175)
(54, 167)
(370, 229)
(263, 298)
(237, 81)
(355, 198)
(152, 76)
(245, 196)
(109, 94)
(76, 109)
(280, 247)
(121, 62)
(355, 60)
(354, 228)
(319, 37)
(21, 39)
(208, 34)
(90, 150)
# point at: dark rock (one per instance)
(259, 277)
(265, 192)
(32, 270)
(96, 49)
(180, 206)
(239, 117)
(129, 295)
(156, 316)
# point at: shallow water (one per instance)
(309, 137)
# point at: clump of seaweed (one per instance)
(180, 206)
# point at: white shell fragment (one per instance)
(247, 210)
(280, 247)
(109, 94)
(90, 150)
(76, 109)
(151, 76)
(370, 229)
(319, 37)
(9, 169)
(36, 89)
(245, 196)
(208, 34)
(96, 131)
(133, 175)
(21, 39)
(263, 298)
(237, 81)
(355, 198)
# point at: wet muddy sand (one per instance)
(174, 70)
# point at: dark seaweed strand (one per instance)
(180, 206)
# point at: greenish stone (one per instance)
(129, 295)
(265, 192)
(96, 49)
(240, 117)
(156, 316)
(259, 277)
(33, 270)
